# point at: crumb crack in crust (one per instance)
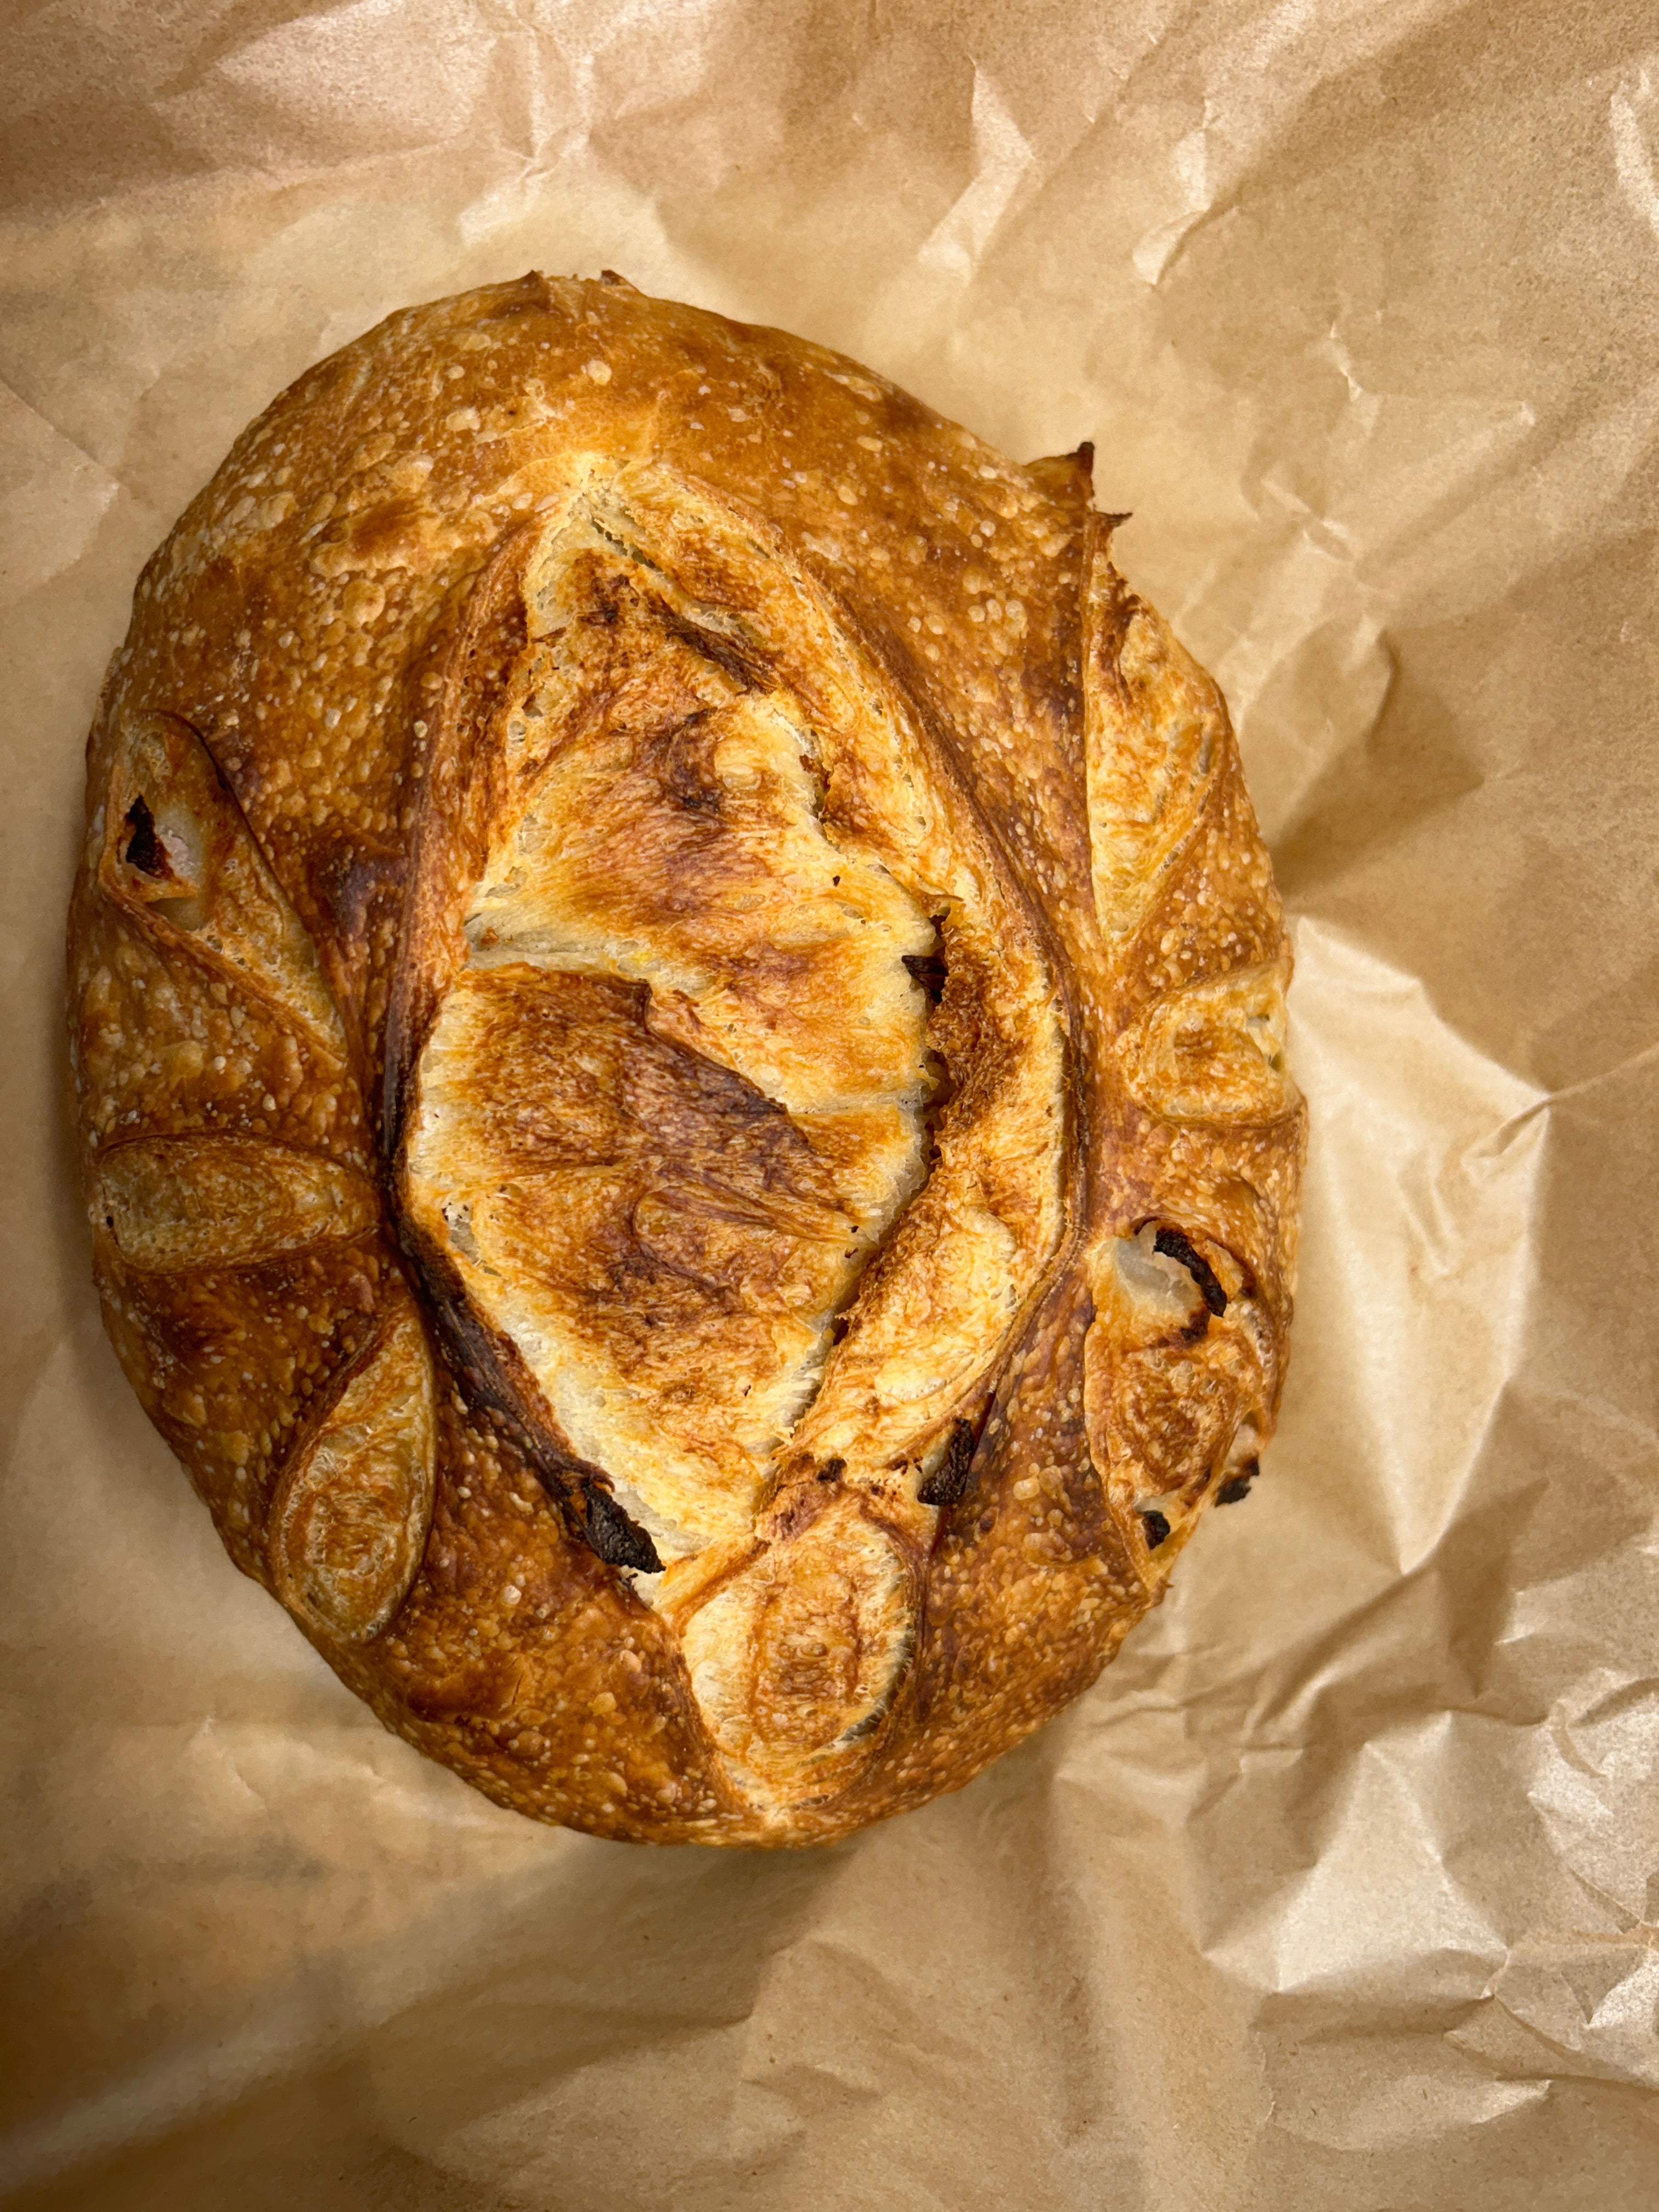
(677, 1025)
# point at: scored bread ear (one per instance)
(1182, 1375)
(796, 1658)
(1155, 736)
(349, 1519)
(1213, 1049)
(180, 860)
(1068, 478)
(202, 1201)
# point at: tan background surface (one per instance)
(1339, 1890)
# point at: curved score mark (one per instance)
(179, 859)
(195, 1202)
(349, 1521)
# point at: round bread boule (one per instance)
(678, 1022)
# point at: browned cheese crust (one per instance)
(677, 1020)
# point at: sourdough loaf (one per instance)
(677, 1020)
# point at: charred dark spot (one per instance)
(618, 1540)
(682, 780)
(1173, 1246)
(1236, 1488)
(949, 1481)
(797, 1508)
(145, 851)
(928, 969)
(722, 653)
(606, 609)
(1155, 1526)
(1085, 457)
(832, 1470)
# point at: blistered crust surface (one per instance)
(678, 1019)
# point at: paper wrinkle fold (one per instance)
(1632, 158)
(1003, 158)
(1342, 1887)
(328, 66)
(1408, 1112)
(54, 495)
(1263, 66)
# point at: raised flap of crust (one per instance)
(178, 855)
(1214, 1050)
(1155, 730)
(349, 1521)
(179, 1202)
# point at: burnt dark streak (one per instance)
(1173, 1246)
(949, 1481)
(580, 1492)
(618, 1540)
(1236, 1488)
(927, 970)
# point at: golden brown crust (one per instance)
(678, 1024)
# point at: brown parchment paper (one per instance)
(1339, 1890)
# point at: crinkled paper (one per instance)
(1339, 1889)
